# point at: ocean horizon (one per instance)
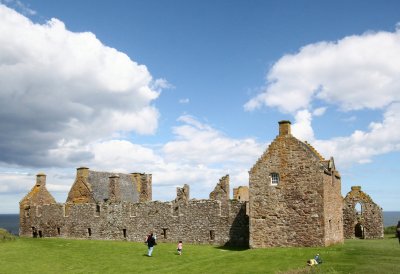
(10, 222)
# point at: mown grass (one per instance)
(25, 255)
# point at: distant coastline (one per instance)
(391, 218)
(10, 222)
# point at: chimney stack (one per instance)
(114, 189)
(40, 179)
(284, 128)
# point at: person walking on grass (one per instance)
(180, 248)
(151, 242)
(398, 231)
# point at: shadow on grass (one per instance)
(232, 248)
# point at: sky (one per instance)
(190, 91)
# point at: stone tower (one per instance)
(294, 196)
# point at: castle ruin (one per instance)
(362, 217)
(293, 199)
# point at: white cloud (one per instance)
(24, 8)
(319, 111)
(199, 156)
(359, 72)
(184, 101)
(302, 127)
(361, 146)
(58, 86)
(198, 143)
(354, 73)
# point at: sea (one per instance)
(10, 222)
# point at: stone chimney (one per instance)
(114, 189)
(143, 183)
(284, 128)
(82, 172)
(40, 179)
(356, 188)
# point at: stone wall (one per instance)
(366, 223)
(289, 200)
(241, 193)
(198, 221)
(333, 206)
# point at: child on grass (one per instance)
(179, 248)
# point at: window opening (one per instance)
(165, 233)
(274, 179)
(358, 208)
(97, 210)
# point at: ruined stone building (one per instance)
(361, 216)
(241, 193)
(293, 199)
(295, 196)
(103, 205)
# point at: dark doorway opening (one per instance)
(58, 231)
(34, 232)
(359, 231)
(40, 234)
(212, 235)
(89, 231)
(124, 231)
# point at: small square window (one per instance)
(274, 179)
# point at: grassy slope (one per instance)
(5, 235)
(81, 256)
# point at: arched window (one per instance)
(274, 179)
(358, 208)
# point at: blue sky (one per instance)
(193, 90)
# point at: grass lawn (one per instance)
(26, 255)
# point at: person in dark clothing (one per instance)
(398, 231)
(151, 242)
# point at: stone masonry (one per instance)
(293, 199)
(367, 223)
(295, 196)
(241, 193)
(103, 205)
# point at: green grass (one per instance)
(390, 230)
(26, 255)
(5, 235)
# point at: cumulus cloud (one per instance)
(61, 89)
(199, 143)
(354, 73)
(361, 146)
(358, 72)
(198, 155)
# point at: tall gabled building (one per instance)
(294, 196)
